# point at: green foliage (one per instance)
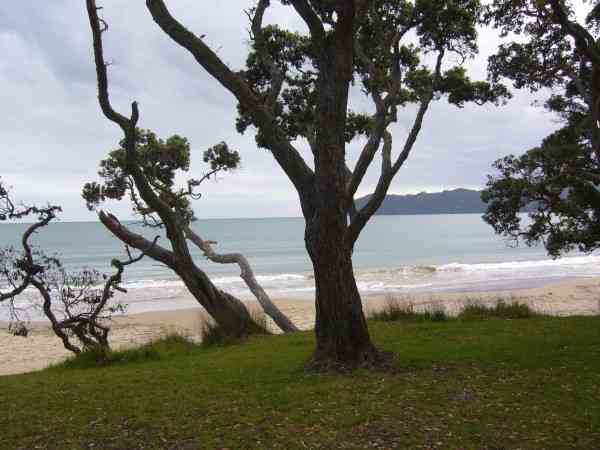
(461, 89)
(395, 310)
(561, 177)
(396, 67)
(160, 161)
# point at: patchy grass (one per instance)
(164, 348)
(500, 310)
(395, 311)
(460, 384)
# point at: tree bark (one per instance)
(227, 311)
(247, 274)
(343, 340)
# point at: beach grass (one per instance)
(455, 384)
(398, 309)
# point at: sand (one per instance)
(41, 348)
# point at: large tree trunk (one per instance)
(595, 108)
(343, 340)
(342, 335)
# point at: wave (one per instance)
(565, 262)
(224, 280)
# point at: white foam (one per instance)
(566, 262)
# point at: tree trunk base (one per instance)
(370, 358)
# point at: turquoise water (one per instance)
(394, 254)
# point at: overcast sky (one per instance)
(53, 132)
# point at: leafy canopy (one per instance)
(561, 176)
(160, 162)
(395, 40)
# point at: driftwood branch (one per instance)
(247, 275)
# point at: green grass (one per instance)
(397, 310)
(173, 345)
(500, 310)
(459, 384)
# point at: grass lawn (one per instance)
(495, 384)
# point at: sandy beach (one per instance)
(41, 348)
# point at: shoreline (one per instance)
(577, 296)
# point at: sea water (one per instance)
(395, 254)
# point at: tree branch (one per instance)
(247, 275)
(267, 60)
(137, 241)
(312, 20)
(389, 171)
(584, 40)
(381, 117)
(127, 125)
(288, 158)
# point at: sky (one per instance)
(54, 134)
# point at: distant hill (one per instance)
(457, 201)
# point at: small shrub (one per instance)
(395, 311)
(438, 315)
(214, 334)
(501, 309)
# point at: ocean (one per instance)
(395, 254)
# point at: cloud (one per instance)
(54, 135)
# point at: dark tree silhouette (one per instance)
(561, 177)
(77, 304)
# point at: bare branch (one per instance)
(389, 171)
(288, 158)
(382, 118)
(127, 125)
(137, 241)
(261, 48)
(312, 20)
(247, 275)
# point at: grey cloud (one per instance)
(54, 134)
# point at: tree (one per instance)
(561, 177)
(144, 168)
(297, 86)
(77, 308)
(160, 161)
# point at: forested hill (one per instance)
(457, 201)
